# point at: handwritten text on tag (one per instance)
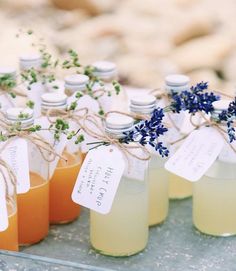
(196, 154)
(15, 155)
(99, 179)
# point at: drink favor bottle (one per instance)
(124, 230)
(75, 83)
(33, 211)
(214, 198)
(179, 188)
(107, 72)
(157, 175)
(62, 208)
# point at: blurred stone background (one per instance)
(147, 39)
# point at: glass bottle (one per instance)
(107, 72)
(61, 208)
(157, 175)
(9, 237)
(179, 188)
(75, 83)
(33, 205)
(214, 200)
(6, 101)
(35, 90)
(124, 230)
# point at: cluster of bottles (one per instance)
(143, 194)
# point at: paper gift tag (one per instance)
(197, 153)
(48, 136)
(15, 154)
(3, 204)
(6, 101)
(227, 154)
(99, 179)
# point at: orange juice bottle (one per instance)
(33, 206)
(9, 237)
(61, 208)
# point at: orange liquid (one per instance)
(83, 155)
(33, 211)
(62, 208)
(9, 237)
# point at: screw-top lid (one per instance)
(104, 69)
(116, 124)
(7, 70)
(76, 82)
(143, 103)
(53, 100)
(28, 61)
(20, 114)
(177, 82)
(219, 106)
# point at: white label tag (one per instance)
(3, 204)
(6, 101)
(16, 156)
(227, 154)
(197, 153)
(99, 179)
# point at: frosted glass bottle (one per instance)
(124, 230)
(214, 201)
(179, 188)
(33, 61)
(33, 211)
(107, 72)
(61, 207)
(157, 175)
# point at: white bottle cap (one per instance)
(76, 82)
(104, 69)
(143, 103)
(221, 105)
(29, 61)
(13, 116)
(53, 100)
(8, 70)
(177, 82)
(116, 124)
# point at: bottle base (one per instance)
(64, 221)
(119, 255)
(227, 234)
(180, 197)
(27, 244)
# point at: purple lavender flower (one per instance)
(148, 132)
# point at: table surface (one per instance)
(173, 246)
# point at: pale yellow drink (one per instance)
(124, 231)
(158, 191)
(214, 200)
(179, 188)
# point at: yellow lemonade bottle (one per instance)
(33, 211)
(179, 188)
(124, 230)
(214, 201)
(157, 175)
(61, 207)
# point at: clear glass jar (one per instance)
(124, 230)
(157, 175)
(33, 61)
(107, 72)
(214, 200)
(61, 208)
(75, 83)
(9, 237)
(33, 211)
(6, 101)
(179, 188)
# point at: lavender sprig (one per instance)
(194, 100)
(228, 116)
(148, 131)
